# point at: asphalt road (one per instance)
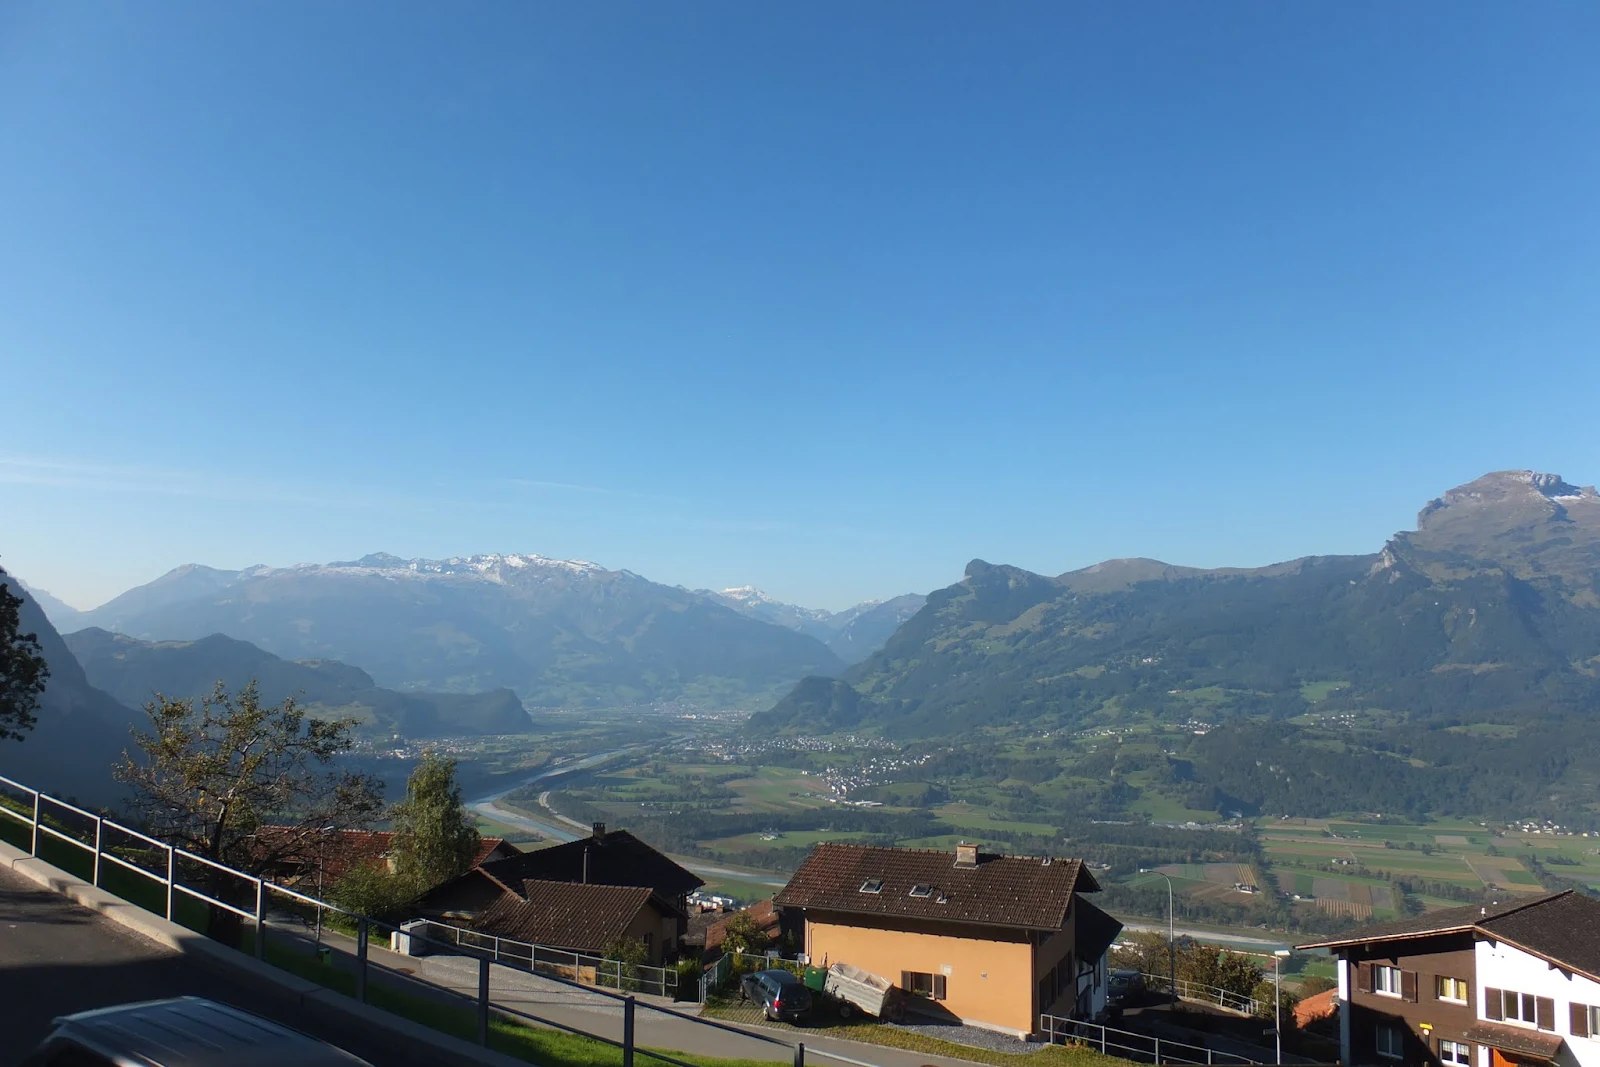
(57, 958)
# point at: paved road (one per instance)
(57, 958)
(595, 1014)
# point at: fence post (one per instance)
(361, 959)
(99, 826)
(483, 1001)
(1157, 1059)
(34, 848)
(172, 869)
(1208, 1054)
(261, 919)
(627, 1032)
(800, 1054)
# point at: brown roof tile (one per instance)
(1012, 891)
(1515, 1039)
(615, 858)
(564, 914)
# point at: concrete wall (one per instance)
(987, 982)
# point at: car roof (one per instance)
(194, 1032)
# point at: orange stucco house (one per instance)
(995, 941)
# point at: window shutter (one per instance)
(1493, 1005)
(905, 982)
(1408, 985)
(1546, 1013)
(1364, 976)
(938, 987)
(1580, 1019)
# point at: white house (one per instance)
(1511, 983)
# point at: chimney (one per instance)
(966, 855)
(585, 866)
(599, 831)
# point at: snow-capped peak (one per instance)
(492, 566)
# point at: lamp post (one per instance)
(322, 849)
(1172, 941)
(1277, 1002)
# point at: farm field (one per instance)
(1331, 860)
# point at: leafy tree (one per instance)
(434, 838)
(373, 891)
(744, 934)
(214, 773)
(23, 670)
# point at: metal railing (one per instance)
(1130, 1045)
(47, 818)
(1209, 994)
(556, 962)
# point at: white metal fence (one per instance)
(556, 962)
(165, 876)
(1130, 1045)
(1209, 994)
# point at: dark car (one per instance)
(184, 1032)
(780, 994)
(1124, 987)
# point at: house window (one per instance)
(1512, 1006)
(1387, 980)
(1585, 1020)
(1390, 1042)
(1450, 989)
(872, 885)
(923, 984)
(1455, 1052)
(922, 890)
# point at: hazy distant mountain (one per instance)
(852, 634)
(62, 616)
(81, 731)
(133, 670)
(1490, 608)
(557, 632)
(867, 627)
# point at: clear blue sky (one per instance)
(825, 297)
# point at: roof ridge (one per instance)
(585, 885)
(1536, 902)
(862, 847)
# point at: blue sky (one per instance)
(825, 297)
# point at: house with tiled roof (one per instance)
(545, 897)
(994, 941)
(1516, 982)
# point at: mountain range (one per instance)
(852, 634)
(1489, 611)
(555, 632)
(81, 731)
(132, 671)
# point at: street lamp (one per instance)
(1278, 956)
(322, 848)
(1172, 941)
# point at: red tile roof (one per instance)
(566, 914)
(1316, 1006)
(1020, 892)
(342, 851)
(762, 911)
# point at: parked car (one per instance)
(1124, 986)
(780, 994)
(187, 1031)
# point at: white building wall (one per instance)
(1344, 1011)
(1500, 966)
